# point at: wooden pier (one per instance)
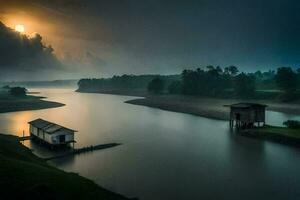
(84, 150)
(24, 138)
(75, 151)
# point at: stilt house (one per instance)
(51, 133)
(247, 115)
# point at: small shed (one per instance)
(51, 133)
(247, 115)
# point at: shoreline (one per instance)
(207, 107)
(34, 106)
(33, 178)
(212, 108)
(27, 103)
(207, 112)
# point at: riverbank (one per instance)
(207, 107)
(24, 175)
(10, 103)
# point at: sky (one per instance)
(97, 38)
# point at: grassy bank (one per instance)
(279, 134)
(9, 103)
(207, 107)
(24, 175)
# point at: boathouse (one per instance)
(247, 115)
(51, 133)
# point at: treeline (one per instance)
(124, 83)
(211, 81)
(229, 82)
(14, 91)
(218, 82)
(55, 83)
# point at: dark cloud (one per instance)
(166, 36)
(169, 34)
(24, 56)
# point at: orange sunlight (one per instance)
(20, 28)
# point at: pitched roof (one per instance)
(247, 105)
(49, 127)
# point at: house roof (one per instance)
(246, 105)
(49, 127)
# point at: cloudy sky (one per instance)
(94, 38)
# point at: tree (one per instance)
(156, 85)
(232, 70)
(6, 87)
(258, 74)
(244, 85)
(175, 87)
(210, 82)
(294, 124)
(210, 67)
(190, 81)
(286, 79)
(18, 91)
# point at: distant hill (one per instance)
(55, 83)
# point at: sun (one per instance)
(20, 28)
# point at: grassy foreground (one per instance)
(9, 103)
(283, 131)
(24, 175)
(279, 134)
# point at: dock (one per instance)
(24, 138)
(84, 150)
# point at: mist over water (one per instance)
(165, 155)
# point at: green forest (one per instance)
(211, 81)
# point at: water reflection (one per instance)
(166, 155)
(277, 118)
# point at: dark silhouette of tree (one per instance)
(244, 85)
(124, 83)
(294, 124)
(286, 79)
(231, 70)
(298, 78)
(190, 81)
(258, 74)
(156, 85)
(210, 67)
(219, 70)
(175, 87)
(6, 87)
(18, 91)
(212, 82)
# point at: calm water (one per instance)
(166, 155)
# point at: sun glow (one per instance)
(20, 28)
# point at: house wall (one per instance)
(245, 114)
(40, 134)
(69, 136)
(260, 115)
(51, 138)
(249, 114)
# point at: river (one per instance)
(165, 155)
